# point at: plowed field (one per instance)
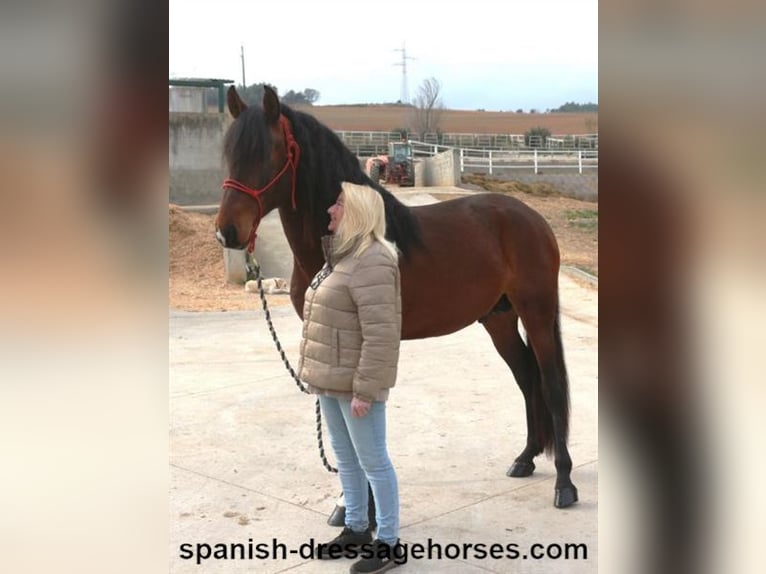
(389, 118)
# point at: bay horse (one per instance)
(487, 257)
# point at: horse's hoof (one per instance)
(521, 468)
(338, 516)
(565, 496)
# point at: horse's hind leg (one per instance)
(541, 321)
(519, 357)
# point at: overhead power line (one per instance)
(404, 96)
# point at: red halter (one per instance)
(293, 155)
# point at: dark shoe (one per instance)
(378, 557)
(345, 545)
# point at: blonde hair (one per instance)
(363, 221)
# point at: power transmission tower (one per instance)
(405, 95)
(242, 54)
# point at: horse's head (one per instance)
(262, 158)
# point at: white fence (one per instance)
(513, 141)
(565, 152)
(498, 161)
(494, 162)
(370, 143)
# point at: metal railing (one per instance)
(376, 142)
(513, 141)
(490, 161)
(495, 162)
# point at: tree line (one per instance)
(253, 94)
(575, 107)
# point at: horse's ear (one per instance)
(236, 104)
(271, 104)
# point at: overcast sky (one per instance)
(491, 54)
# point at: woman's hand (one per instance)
(359, 407)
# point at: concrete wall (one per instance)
(186, 99)
(420, 170)
(440, 170)
(196, 164)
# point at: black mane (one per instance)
(247, 141)
(324, 163)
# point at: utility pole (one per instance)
(404, 97)
(242, 53)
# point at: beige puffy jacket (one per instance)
(352, 322)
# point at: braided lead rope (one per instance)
(253, 269)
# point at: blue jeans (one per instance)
(360, 449)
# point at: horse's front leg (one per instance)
(338, 515)
(298, 285)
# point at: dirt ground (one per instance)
(387, 118)
(196, 273)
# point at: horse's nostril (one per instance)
(228, 236)
(219, 236)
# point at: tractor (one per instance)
(396, 167)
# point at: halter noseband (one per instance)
(293, 155)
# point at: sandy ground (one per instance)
(244, 462)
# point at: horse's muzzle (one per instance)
(228, 237)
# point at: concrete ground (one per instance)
(245, 467)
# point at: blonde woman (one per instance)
(349, 355)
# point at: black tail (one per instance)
(542, 421)
(563, 378)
